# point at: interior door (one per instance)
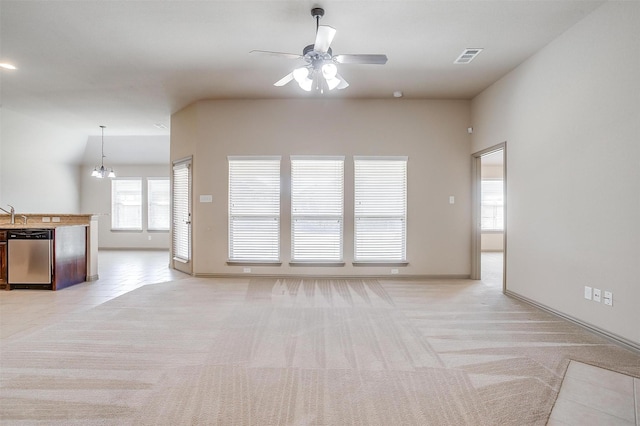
(181, 205)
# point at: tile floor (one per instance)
(119, 272)
(589, 395)
(594, 396)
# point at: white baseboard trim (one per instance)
(340, 277)
(628, 344)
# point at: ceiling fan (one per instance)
(320, 70)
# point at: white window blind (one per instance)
(380, 209)
(254, 209)
(126, 204)
(158, 213)
(181, 219)
(492, 205)
(317, 208)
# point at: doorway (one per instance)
(489, 227)
(181, 200)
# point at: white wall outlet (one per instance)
(608, 298)
(394, 271)
(246, 270)
(452, 199)
(55, 219)
(587, 292)
(46, 219)
(149, 237)
(596, 294)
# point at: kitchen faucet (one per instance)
(12, 213)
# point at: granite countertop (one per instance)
(38, 225)
(44, 220)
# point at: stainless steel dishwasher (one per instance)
(29, 253)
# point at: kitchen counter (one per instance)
(63, 226)
(36, 225)
(44, 221)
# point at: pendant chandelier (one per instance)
(101, 172)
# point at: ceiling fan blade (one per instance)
(343, 83)
(361, 59)
(283, 55)
(284, 80)
(324, 37)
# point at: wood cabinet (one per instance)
(69, 257)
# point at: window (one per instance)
(254, 209)
(181, 219)
(158, 217)
(317, 208)
(380, 209)
(492, 205)
(126, 204)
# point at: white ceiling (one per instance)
(131, 64)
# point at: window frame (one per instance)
(149, 204)
(252, 196)
(138, 227)
(359, 217)
(306, 210)
(499, 207)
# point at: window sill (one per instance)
(380, 263)
(254, 263)
(127, 230)
(492, 231)
(317, 263)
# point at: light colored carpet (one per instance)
(298, 352)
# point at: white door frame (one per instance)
(183, 265)
(476, 234)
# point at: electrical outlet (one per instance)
(246, 270)
(587, 292)
(608, 298)
(149, 237)
(394, 271)
(596, 294)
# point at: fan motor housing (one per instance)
(311, 54)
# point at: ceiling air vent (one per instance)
(467, 56)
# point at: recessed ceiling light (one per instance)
(398, 94)
(467, 55)
(160, 126)
(7, 66)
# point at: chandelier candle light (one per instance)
(101, 172)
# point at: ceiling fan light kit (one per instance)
(321, 71)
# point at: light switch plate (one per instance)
(596, 294)
(608, 298)
(587, 292)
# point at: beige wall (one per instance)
(575, 108)
(431, 133)
(96, 199)
(38, 172)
